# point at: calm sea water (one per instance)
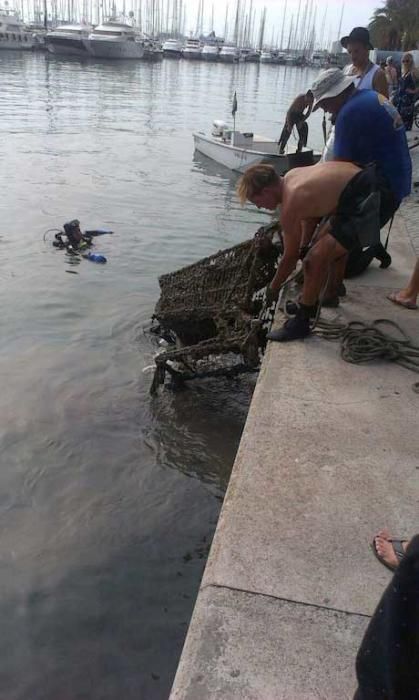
(108, 499)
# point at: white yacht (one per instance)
(114, 39)
(210, 52)
(192, 49)
(172, 48)
(152, 50)
(271, 56)
(13, 33)
(249, 55)
(68, 40)
(229, 54)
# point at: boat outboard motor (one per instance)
(219, 128)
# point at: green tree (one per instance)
(395, 26)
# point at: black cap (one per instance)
(358, 34)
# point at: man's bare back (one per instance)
(313, 192)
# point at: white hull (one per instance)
(235, 158)
(172, 53)
(240, 158)
(110, 48)
(210, 57)
(71, 47)
(191, 55)
(26, 43)
(228, 58)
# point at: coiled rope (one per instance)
(365, 342)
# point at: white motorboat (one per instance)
(249, 55)
(68, 40)
(172, 48)
(114, 39)
(229, 54)
(152, 50)
(13, 33)
(274, 57)
(210, 52)
(192, 49)
(238, 150)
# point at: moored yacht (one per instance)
(13, 33)
(68, 40)
(249, 55)
(172, 48)
(229, 54)
(152, 50)
(192, 49)
(271, 56)
(210, 52)
(114, 39)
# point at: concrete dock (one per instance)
(329, 455)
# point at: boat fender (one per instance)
(95, 257)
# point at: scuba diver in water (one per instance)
(72, 239)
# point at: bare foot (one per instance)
(385, 550)
(403, 298)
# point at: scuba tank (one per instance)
(75, 239)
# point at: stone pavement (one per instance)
(329, 455)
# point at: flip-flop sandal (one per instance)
(400, 302)
(397, 549)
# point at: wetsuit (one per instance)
(295, 117)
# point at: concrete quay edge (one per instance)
(328, 456)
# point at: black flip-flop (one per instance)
(397, 548)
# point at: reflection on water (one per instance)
(108, 499)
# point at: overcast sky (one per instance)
(356, 13)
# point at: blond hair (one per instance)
(412, 63)
(254, 180)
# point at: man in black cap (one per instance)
(367, 75)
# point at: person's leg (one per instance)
(302, 129)
(316, 269)
(387, 549)
(318, 265)
(286, 133)
(408, 296)
(387, 660)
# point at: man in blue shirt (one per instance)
(368, 129)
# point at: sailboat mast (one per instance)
(291, 33)
(226, 23)
(262, 29)
(283, 24)
(236, 24)
(296, 26)
(341, 20)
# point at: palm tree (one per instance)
(395, 26)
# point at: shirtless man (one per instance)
(333, 192)
(298, 117)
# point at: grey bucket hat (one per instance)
(329, 83)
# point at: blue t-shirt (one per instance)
(369, 129)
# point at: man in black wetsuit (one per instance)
(297, 115)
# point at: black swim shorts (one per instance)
(388, 200)
(357, 218)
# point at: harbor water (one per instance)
(109, 499)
